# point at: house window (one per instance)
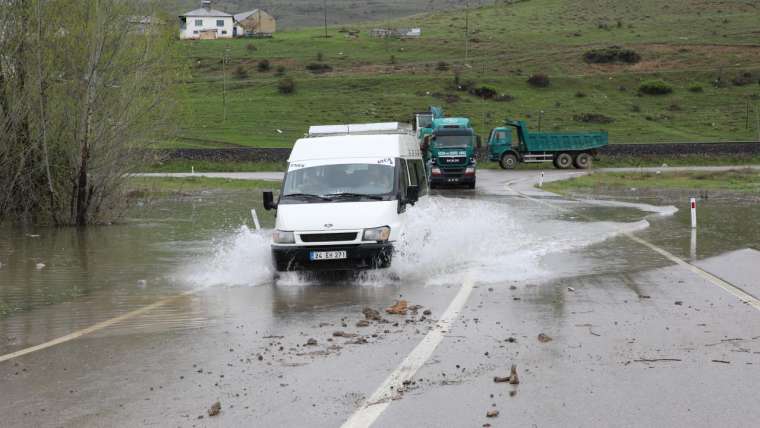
(220, 23)
(199, 23)
(224, 31)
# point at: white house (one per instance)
(207, 23)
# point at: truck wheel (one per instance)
(583, 161)
(564, 161)
(508, 161)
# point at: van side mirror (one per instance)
(412, 194)
(269, 201)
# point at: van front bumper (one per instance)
(358, 256)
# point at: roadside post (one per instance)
(541, 179)
(693, 246)
(693, 203)
(255, 219)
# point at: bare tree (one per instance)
(84, 86)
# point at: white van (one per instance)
(343, 198)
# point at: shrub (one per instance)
(612, 54)
(592, 118)
(392, 60)
(484, 92)
(655, 87)
(580, 94)
(539, 80)
(320, 57)
(318, 68)
(636, 108)
(286, 86)
(505, 98)
(696, 88)
(280, 70)
(674, 107)
(241, 72)
(442, 66)
(263, 66)
(743, 79)
(251, 47)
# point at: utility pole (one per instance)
(324, 5)
(225, 58)
(467, 33)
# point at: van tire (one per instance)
(508, 161)
(563, 161)
(583, 161)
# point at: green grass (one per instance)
(215, 166)
(683, 42)
(737, 180)
(163, 186)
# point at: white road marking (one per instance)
(96, 327)
(726, 286)
(366, 415)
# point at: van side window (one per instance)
(403, 178)
(419, 170)
(411, 170)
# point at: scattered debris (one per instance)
(513, 379)
(399, 308)
(311, 342)
(511, 339)
(371, 314)
(654, 360)
(678, 303)
(512, 393)
(427, 312)
(492, 413)
(644, 296)
(512, 287)
(721, 361)
(215, 409)
(571, 289)
(361, 340)
(501, 379)
(343, 334)
(40, 266)
(362, 323)
(543, 338)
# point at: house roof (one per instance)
(210, 13)
(245, 15)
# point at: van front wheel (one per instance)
(508, 161)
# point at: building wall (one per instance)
(193, 31)
(259, 22)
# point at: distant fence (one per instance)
(252, 154)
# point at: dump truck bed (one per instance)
(557, 142)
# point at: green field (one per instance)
(686, 43)
(166, 186)
(744, 180)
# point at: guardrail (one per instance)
(257, 154)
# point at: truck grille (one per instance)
(328, 237)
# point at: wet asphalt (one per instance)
(629, 339)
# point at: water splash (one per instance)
(445, 239)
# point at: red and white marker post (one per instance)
(693, 203)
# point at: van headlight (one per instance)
(283, 237)
(377, 234)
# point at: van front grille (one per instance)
(328, 237)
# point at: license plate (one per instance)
(327, 255)
(451, 160)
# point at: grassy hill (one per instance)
(707, 52)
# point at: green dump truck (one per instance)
(448, 147)
(565, 150)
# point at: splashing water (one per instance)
(445, 239)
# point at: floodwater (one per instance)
(56, 280)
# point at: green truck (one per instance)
(448, 146)
(565, 150)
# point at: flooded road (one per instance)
(635, 338)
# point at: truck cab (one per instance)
(500, 141)
(450, 152)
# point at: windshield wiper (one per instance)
(356, 195)
(306, 195)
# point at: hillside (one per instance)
(707, 52)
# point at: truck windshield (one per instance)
(351, 181)
(452, 141)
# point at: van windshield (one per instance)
(444, 141)
(331, 182)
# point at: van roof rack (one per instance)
(360, 129)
